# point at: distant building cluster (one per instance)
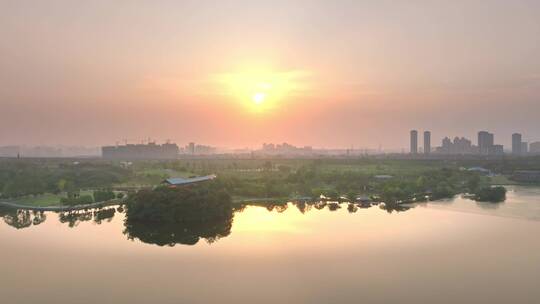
(47, 151)
(194, 149)
(141, 151)
(285, 149)
(457, 146)
(462, 146)
(520, 147)
(534, 147)
(151, 150)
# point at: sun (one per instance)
(258, 98)
(261, 90)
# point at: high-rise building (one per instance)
(524, 147)
(427, 142)
(414, 142)
(516, 143)
(485, 142)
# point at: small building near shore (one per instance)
(480, 170)
(180, 181)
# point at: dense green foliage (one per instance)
(77, 200)
(198, 203)
(103, 195)
(33, 177)
(491, 194)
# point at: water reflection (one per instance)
(489, 206)
(22, 218)
(98, 216)
(390, 208)
(189, 228)
(172, 233)
(200, 224)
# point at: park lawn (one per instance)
(44, 200)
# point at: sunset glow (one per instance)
(241, 73)
(261, 90)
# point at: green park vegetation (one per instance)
(35, 177)
(490, 194)
(42, 182)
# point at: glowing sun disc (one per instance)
(258, 98)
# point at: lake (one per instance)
(453, 251)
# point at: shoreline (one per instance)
(61, 208)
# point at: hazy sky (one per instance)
(326, 73)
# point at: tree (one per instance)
(351, 196)
(473, 182)
(103, 195)
(167, 216)
(491, 194)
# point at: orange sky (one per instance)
(331, 73)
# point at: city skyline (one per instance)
(485, 144)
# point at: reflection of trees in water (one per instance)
(102, 215)
(26, 218)
(22, 218)
(333, 206)
(489, 205)
(73, 218)
(394, 207)
(270, 206)
(319, 205)
(306, 206)
(172, 233)
(303, 206)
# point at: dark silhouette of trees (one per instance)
(73, 218)
(169, 216)
(20, 219)
(352, 208)
(103, 195)
(491, 194)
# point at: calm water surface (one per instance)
(456, 251)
